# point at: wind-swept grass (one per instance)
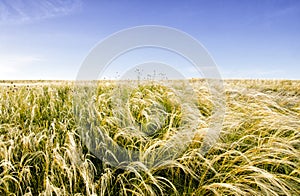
(43, 151)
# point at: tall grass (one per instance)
(43, 151)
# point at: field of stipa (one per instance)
(44, 149)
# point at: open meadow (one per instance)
(42, 151)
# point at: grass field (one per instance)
(42, 150)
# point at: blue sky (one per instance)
(247, 39)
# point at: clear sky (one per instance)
(49, 39)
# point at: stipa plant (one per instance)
(136, 119)
(42, 150)
(34, 131)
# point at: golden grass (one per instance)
(43, 152)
